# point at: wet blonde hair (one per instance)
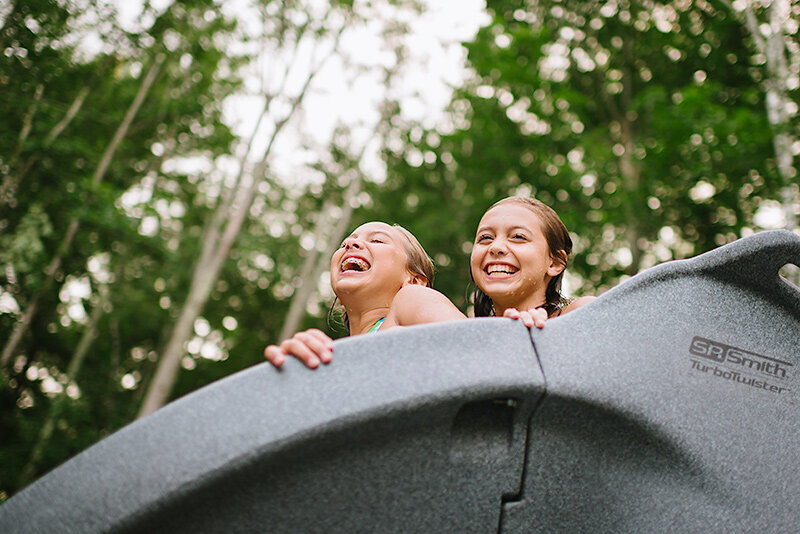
(559, 244)
(418, 260)
(419, 263)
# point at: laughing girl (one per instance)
(382, 277)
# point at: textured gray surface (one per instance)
(617, 425)
(638, 432)
(400, 433)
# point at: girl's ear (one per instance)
(415, 279)
(557, 264)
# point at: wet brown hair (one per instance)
(419, 263)
(559, 243)
(418, 260)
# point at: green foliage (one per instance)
(24, 247)
(643, 129)
(48, 178)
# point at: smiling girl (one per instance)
(382, 277)
(518, 260)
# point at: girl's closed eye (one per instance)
(483, 238)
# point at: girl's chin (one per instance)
(505, 291)
(500, 282)
(353, 282)
(501, 278)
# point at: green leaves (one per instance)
(640, 124)
(24, 249)
(64, 112)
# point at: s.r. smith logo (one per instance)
(740, 366)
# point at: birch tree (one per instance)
(335, 216)
(323, 35)
(773, 28)
(332, 223)
(301, 38)
(102, 306)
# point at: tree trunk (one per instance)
(71, 112)
(315, 264)
(133, 109)
(27, 317)
(629, 169)
(214, 253)
(772, 46)
(8, 189)
(27, 122)
(30, 310)
(307, 276)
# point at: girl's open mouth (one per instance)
(354, 264)
(500, 270)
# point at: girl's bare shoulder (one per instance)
(415, 304)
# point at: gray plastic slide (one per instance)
(668, 404)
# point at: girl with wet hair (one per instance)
(517, 262)
(382, 277)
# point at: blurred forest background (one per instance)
(148, 247)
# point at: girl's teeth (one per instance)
(354, 264)
(503, 270)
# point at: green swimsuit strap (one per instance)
(376, 325)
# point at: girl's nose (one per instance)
(498, 247)
(352, 242)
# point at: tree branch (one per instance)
(133, 109)
(213, 256)
(71, 112)
(27, 122)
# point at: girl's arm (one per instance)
(412, 305)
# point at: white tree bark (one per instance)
(315, 263)
(73, 110)
(27, 122)
(8, 189)
(219, 240)
(133, 109)
(770, 41)
(73, 369)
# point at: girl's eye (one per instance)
(484, 238)
(519, 237)
(377, 241)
